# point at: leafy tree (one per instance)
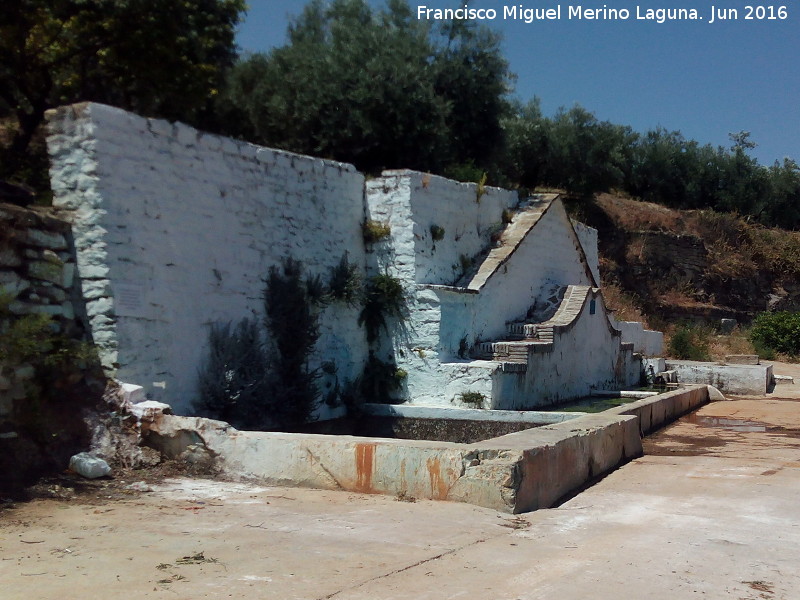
(471, 75)
(527, 138)
(375, 88)
(154, 57)
(586, 155)
(783, 208)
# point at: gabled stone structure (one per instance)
(508, 311)
(176, 229)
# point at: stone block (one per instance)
(68, 310)
(726, 326)
(68, 275)
(93, 271)
(101, 306)
(45, 239)
(46, 271)
(54, 294)
(9, 258)
(52, 257)
(93, 289)
(12, 284)
(149, 410)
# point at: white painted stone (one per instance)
(130, 393)
(149, 410)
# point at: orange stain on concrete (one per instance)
(365, 466)
(439, 487)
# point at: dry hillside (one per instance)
(668, 265)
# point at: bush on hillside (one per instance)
(778, 331)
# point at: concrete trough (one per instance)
(513, 473)
(655, 412)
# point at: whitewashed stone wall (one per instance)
(176, 229)
(587, 356)
(412, 202)
(446, 320)
(646, 341)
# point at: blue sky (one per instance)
(704, 79)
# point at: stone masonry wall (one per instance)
(37, 271)
(176, 229)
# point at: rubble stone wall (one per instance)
(37, 276)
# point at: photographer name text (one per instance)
(577, 12)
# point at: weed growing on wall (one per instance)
(437, 233)
(381, 381)
(375, 231)
(384, 298)
(232, 380)
(480, 190)
(345, 283)
(473, 399)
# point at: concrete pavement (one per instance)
(710, 512)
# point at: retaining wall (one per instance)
(176, 229)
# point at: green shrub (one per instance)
(777, 331)
(232, 380)
(291, 316)
(689, 342)
(380, 381)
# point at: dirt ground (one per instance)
(709, 512)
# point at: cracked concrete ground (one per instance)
(709, 512)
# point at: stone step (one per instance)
(530, 331)
(783, 379)
(502, 351)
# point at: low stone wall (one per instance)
(657, 411)
(37, 271)
(730, 379)
(517, 472)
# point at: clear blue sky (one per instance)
(704, 79)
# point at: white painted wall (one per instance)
(588, 238)
(176, 229)
(441, 316)
(549, 256)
